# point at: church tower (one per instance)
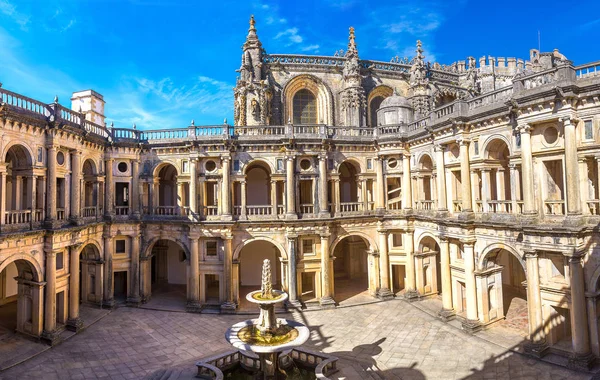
(253, 92)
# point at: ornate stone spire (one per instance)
(418, 70)
(352, 50)
(252, 38)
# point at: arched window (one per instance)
(375, 104)
(305, 107)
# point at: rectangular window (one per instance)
(307, 246)
(185, 166)
(60, 260)
(476, 147)
(330, 164)
(396, 240)
(589, 130)
(236, 165)
(120, 246)
(211, 248)
(280, 164)
(40, 154)
(369, 164)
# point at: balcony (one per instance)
(554, 207)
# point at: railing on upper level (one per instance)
(23, 102)
(588, 70)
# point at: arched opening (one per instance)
(254, 197)
(373, 107)
(351, 269)
(169, 274)
(353, 192)
(20, 300)
(21, 188)
(90, 275)
(443, 98)
(425, 184)
(167, 191)
(505, 290)
(428, 267)
(376, 97)
(494, 184)
(91, 190)
(251, 258)
(304, 107)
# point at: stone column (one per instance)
(581, 358)
(406, 183)
(228, 306)
(537, 338)
(3, 199)
(135, 188)
(447, 311)
(17, 191)
(225, 185)
(323, 207)
(180, 204)
(441, 178)
(384, 291)
(290, 190)
(51, 185)
(500, 190)
(109, 190)
(274, 198)
(243, 210)
(363, 194)
(572, 170)
(410, 287)
(50, 335)
(32, 191)
(109, 299)
(471, 324)
(145, 277)
(134, 298)
(336, 193)
(193, 189)
(293, 279)
(76, 187)
(380, 199)
(514, 194)
(193, 303)
(485, 188)
(465, 176)
(527, 168)
(74, 323)
(326, 300)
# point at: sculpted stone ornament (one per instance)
(418, 70)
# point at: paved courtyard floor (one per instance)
(390, 340)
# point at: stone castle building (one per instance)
(476, 182)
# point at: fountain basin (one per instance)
(237, 340)
(255, 297)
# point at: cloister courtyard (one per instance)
(382, 340)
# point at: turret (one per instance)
(253, 92)
(353, 97)
(90, 103)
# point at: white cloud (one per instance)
(11, 11)
(161, 103)
(292, 36)
(311, 48)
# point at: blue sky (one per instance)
(161, 63)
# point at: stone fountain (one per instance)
(267, 336)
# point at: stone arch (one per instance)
(491, 142)
(445, 96)
(279, 246)
(23, 148)
(372, 244)
(159, 166)
(355, 162)
(498, 246)
(421, 160)
(89, 165)
(426, 234)
(319, 89)
(259, 162)
(93, 243)
(30, 261)
(377, 95)
(147, 250)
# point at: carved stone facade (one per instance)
(476, 184)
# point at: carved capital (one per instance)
(524, 128)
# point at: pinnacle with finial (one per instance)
(192, 123)
(55, 98)
(420, 50)
(134, 126)
(351, 41)
(112, 125)
(225, 121)
(252, 23)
